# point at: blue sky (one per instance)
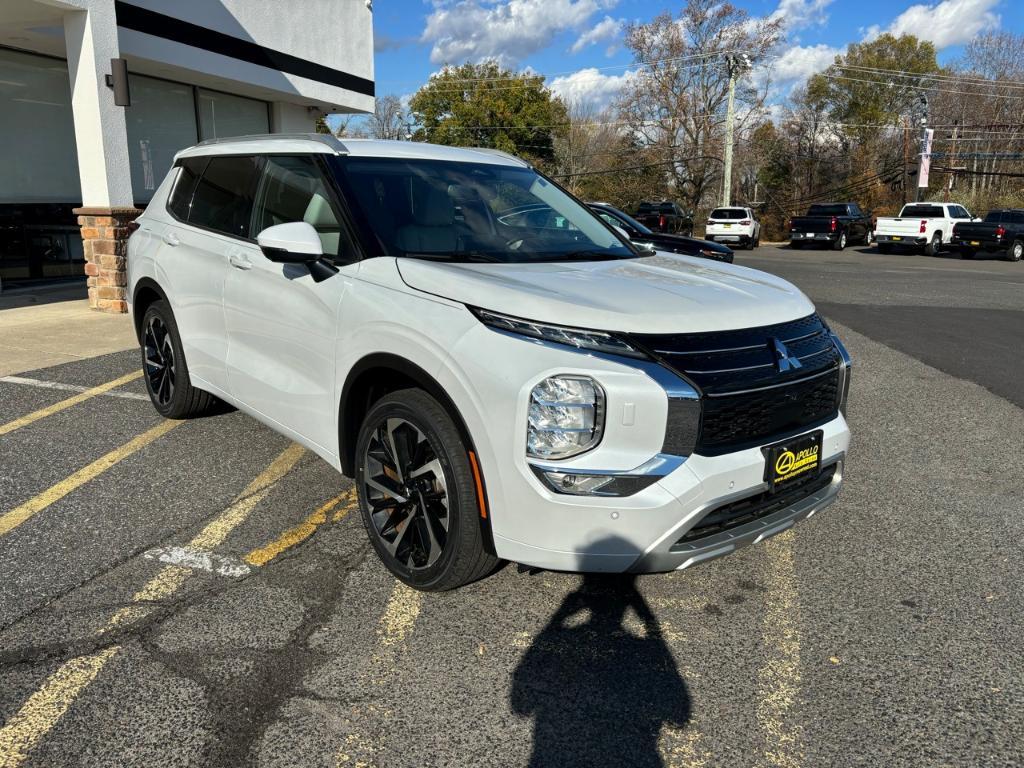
(578, 43)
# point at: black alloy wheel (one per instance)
(421, 499)
(158, 358)
(165, 369)
(406, 490)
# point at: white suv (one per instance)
(737, 226)
(503, 374)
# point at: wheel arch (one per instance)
(147, 290)
(379, 374)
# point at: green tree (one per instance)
(484, 105)
(861, 90)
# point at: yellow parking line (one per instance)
(47, 705)
(49, 410)
(42, 711)
(779, 678)
(18, 515)
(302, 531)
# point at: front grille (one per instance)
(746, 399)
(737, 513)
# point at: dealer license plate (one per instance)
(727, 225)
(897, 238)
(793, 459)
(975, 242)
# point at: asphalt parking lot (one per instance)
(203, 593)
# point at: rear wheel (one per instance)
(165, 369)
(840, 242)
(418, 494)
(934, 245)
(1016, 251)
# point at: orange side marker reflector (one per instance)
(480, 500)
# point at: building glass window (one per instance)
(222, 115)
(160, 121)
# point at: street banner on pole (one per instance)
(926, 158)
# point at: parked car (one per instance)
(665, 216)
(835, 224)
(644, 237)
(1001, 231)
(734, 225)
(546, 394)
(924, 226)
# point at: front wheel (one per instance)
(418, 493)
(869, 238)
(1016, 251)
(840, 243)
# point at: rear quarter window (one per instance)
(180, 200)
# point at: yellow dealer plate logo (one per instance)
(794, 458)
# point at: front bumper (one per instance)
(641, 533)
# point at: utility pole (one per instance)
(924, 158)
(736, 65)
(906, 157)
(952, 163)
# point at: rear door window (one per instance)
(224, 195)
(1017, 217)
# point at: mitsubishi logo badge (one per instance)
(783, 360)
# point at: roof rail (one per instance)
(323, 138)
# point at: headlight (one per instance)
(598, 341)
(566, 417)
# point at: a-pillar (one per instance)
(102, 141)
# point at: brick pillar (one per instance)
(105, 242)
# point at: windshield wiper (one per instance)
(452, 257)
(589, 256)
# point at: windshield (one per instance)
(453, 211)
(622, 217)
(827, 210)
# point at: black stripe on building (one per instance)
(160, 25)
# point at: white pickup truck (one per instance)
(928, 226)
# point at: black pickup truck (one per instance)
(1001, 231)
(665, 216)
(836, 224)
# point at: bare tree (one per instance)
(675, 102)
(388, 120)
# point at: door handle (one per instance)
(239, 261)
(171, 239)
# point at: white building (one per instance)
(198, 69)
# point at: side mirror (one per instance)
(293, 243)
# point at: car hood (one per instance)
(661, 293)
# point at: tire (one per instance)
(932, 249)
(840, 243)
(165, 369)
(869, 238)
(1016, 251)
(966, 254)
(751, 244)
(884, 248)
(412, 461)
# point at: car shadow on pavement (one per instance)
(600, 683)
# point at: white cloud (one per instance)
(801, 13)
(590, 87)
(950, 22)
(507, 30)
(793, 67)
(606, 29)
